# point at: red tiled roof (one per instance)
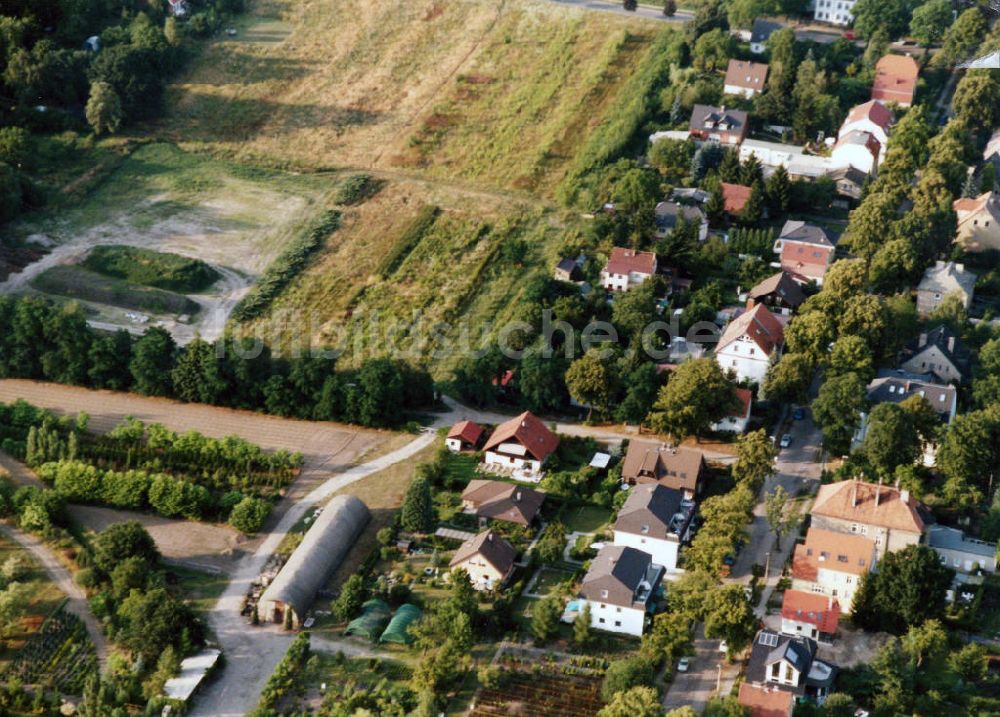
(467, 431)
(766, 701)
(735, 196)
(818, 610)
(745, 397)
(895, 79)
(840, 552)
(759, 324)
(625, 261)
(871, 110)
(795, 253)
(528, 430)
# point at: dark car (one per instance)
(798, 414)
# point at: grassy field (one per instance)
(500, 92)
(151, 268)
(77, 282)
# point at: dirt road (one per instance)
(60, 576)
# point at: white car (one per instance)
(683, 664)
(723, 647)
(786, 440)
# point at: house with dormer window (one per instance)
(621, 588)
(832, 564)
(655, 519)
(718, 124)
(789, 663)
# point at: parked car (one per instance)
(683, 664)
(723, 647)
(786, 440)
(729, 560)
(799, 413)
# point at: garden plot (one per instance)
(235, 219)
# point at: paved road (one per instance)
(798, 466)
(64, 581)
(251, 654)
(644, 11)
(708, 670)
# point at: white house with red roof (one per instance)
(809, 614)
(857, 149)
(465, 436)
(805, 251)
(627, 268)
(748, 343)
(832, 564)
(895, 80)
(736, 422)
(978, 221)
(872, 117)
(523, 443)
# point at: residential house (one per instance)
(689, 195)
(524, 443)
(778, 291)
(805, 251)
(748, 343)
(871, 117)
(978, 221)
(809, 167)
(565, 270)
(850, 181)
(895, 386)
(771, 155)
(668, 214)
(834, 12)
(677, 468)
(961, 553)
(763, 701)
(496, 500)
(789, 664)
(736, 421)
(745, 79)
(888, 516)
(938, 352)
(487, 558)
(992, 151)
(760, 33)
(942, 280)
(832, 563)
(734, 197)
(627, 268)
(860, 150)
(718, 124)
(895, 80)
(620, 588)
(465, 436)
(809, 614)
(655, 520)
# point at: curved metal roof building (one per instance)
(322, 550)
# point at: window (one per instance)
(618, 609)
(734, 362)
(618, 623)
(604, 594)
(600, 620)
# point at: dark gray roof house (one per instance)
(789, 663)
(667, 214)
(655, 510)
(896, 385)
(622, 576)
(761, 30)
(804, 233)
(939, 352)
(719, 124)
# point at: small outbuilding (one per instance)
(371, 622)
(465, 436)
(322, 550)
(398, 631)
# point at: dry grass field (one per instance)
(499, 92)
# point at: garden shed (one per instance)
(398, 629)
(322, 550)
(372, 621)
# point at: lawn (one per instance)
(200, 589)
(585, 519)
(549, 580)
(152, 268)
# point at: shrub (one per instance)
(249, 514)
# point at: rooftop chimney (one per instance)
(489, 537)
(878, 491)
(951, 344)
(829, 603)
(854, 494)
(517, 497)
(750, 303)
(923, 340)
(904, 496)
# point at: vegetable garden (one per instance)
(60, 653)
(541, 693)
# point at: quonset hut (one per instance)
(322, 550)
